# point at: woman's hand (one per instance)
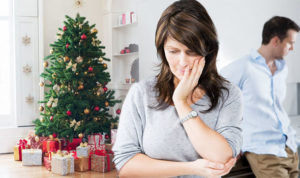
(189, 81)
(211, 169)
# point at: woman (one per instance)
(186, 120)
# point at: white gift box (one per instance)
(62, 164)
(31, 157)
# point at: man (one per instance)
(269, 141)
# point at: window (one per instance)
(6, 62)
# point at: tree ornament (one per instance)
(100, 59)
(98, 93)
(49, 104)
(37, 138)
(80, 135)
(42, 119)
(42, 84)
(80, 87)
(54, 75)
(106, 137)
(67, 45)
(79, 59)
(118, 111)
(51, 51)
(66, 59)
(85, 73)
(41, 108)
(54, 135)
(51, 137)
(64, 28)
(69, 113)
(105, 65)
(83, 37)
(86, 111)
(46, 64)
(106, 103)
(76, 73)
(90, 69)
(51, 118)
(97, 108)
(105, 89)
(94, 30)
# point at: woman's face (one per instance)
(179, 57)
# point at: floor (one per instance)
(14, 169)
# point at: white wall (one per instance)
(55, 11)
(239, 25)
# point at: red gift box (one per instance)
(72, 145)
(52, 145)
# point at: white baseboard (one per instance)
(10, 136)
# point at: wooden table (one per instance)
(14, 169)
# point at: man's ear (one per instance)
(275, 41)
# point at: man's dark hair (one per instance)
(277, 26)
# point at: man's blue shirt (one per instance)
(266, 125)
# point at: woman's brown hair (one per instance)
(188, 22)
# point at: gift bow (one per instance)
(22, 143)
(83, 144)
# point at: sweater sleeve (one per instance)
(230, 120)
(129, 135)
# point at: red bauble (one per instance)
(69, 113)
(127, 50)
(106, 137)
(67, 45)
(83, 37)
(64, 28)
(105, 89)
(97, 108)
(90, 69)
(118, 111)
(54, 135)
(51, 118)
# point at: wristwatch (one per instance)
(190, 115)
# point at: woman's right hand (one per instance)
(208, 168)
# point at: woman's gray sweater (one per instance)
(159, 133)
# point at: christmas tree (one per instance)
(76, 100)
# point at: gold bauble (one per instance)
(80, 87)
(51, 51)
(51, 138)
(41, 108)
(106, 103)
(98, 93)
(66, 59)
(46, 64)
(76, 93)
(95, 118)
(54, 75)
(104, 65)
(100, 59)
(42, 119)
(49, 105)
(62, 86)
(86, 111)
(37, 138)
(94, 30)
(42, 84)
(85, 73)
(80, 135)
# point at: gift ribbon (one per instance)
(104, 153)
(22, 145)
(48, 144)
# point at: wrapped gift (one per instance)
(62, 164)
(34, 141)
(101, 161)
(52, 145)
(108, 147)
(82, 150)
(31, 157)
(72, 145)
(18, 149)
(96, 139)
(113, 135)
(47, 163)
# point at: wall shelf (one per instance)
(124, 26)
(126, 54)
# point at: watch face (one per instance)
(194, 113)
